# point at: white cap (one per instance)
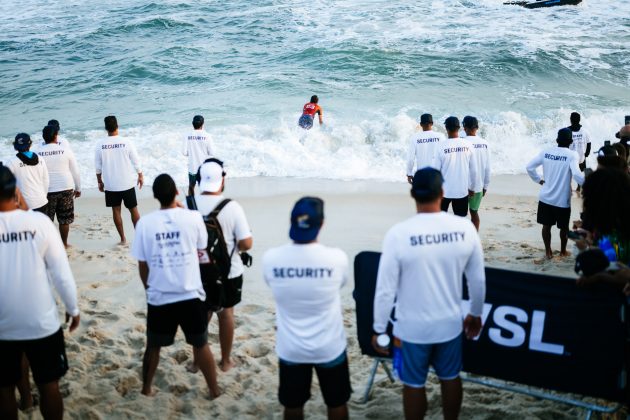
(211, 174)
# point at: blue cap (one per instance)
(22, 142)
(307, 218)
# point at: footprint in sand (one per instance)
(102, 314)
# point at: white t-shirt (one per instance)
(306, 282)
(168, 240)
(32, 180)
(559, 164)
(481, 155)
(422, 265)
(63, 142)
(580, 139)
(197, 145)
(454, 158)
(117, 160)
(62, 167)
(233, 224)
(31, 253)
(422, 148)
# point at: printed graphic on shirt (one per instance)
(290, 272)
(436, 238)
(9, 237)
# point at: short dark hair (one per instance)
(54, 123)
(49, 133)
(7, 183)
(575, 118)
(197, 122)
(164, 189)
(111, 124)
(314, 99)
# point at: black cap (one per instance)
(22, 142)
(7, 181)
(426, 119)
(607, 151)
(565, 136)
(54, 123)
(452, 123)
(197, 120)
(427, 182)
(470, 122)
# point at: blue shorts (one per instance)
(446, 359)
(306, 121)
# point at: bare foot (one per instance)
(122, 242)
(149, 393)
(226, 366)
(215, 393)
(549, 254)
(565, 254)
(68, 246)
(192, 367)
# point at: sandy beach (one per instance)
(105, 353)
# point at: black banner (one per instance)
(538, 330)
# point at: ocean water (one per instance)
(249, 66)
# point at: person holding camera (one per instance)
(238, 239)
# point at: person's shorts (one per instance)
(47, 357)
(474, 202)
(460, 205)
(42, 209)
(582, 166)
(233, 290)
(192, 180)
(61, 203)
(163, 320)
(306, 121)
(549, 215)
(334, 382)
(115, 198)
(446, 359)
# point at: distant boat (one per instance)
(544, 3)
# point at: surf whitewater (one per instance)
(248, 67)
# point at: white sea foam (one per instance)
(370, 149)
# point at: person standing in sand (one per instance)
(305, 278)
(166, 246)
(197, 145)
(238, 238)
(581, 142)
(420, 272)
(554, 205)
(31, 173)
(308, 114)
(454, 159)
(481, 155)
(117, 173)
(65, 181)
(422, 146)
(33, 260)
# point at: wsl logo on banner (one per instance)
(510, 326)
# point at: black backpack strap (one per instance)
(219, 207)
(191, 202)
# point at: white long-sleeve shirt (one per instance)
(31, 251)
(62, 167)
(421, 266)
(454, 158)
(422, 148)
(580, 139)
(117, 160)
(559, 164)
(306, 282)
(481, 155)
(197, 145)
(32, 180)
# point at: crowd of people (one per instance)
(192, 260)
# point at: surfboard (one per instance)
(544, 3)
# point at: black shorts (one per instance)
(460, 205)
(47, 357)
(163, 320)
(334, 382)
(115, 198)
(233, 288)
(42, 209)
(582, 166)
(61, 203)
(549, 215)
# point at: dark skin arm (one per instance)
(143, 269)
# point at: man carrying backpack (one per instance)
(235, 232)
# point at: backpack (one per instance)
(216, 263)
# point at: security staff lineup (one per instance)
(423, 261)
